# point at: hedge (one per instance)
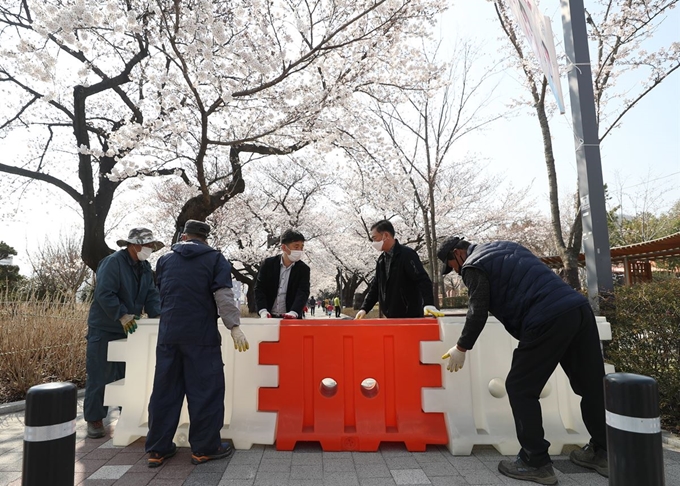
(645, 322)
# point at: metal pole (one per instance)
(50, 435)
(590, 183)
(634, 447)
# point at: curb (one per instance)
(20, 406)
(670, 439)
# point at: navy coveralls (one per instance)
(188, 353)
(124, 286)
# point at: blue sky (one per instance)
(646, 147)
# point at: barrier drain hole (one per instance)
(328, 387)
(369, 388)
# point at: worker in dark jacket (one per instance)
(195, 283)
(125, 289)
(554, 325)
(401, 284)
(282, 284)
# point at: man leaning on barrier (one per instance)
(125, 287)
(282, 283)
(554, 325)
(194, 280)
(401, 285)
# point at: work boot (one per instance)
(518, 469)
(157, 459)
(222, 451)
(588, 457)
(96, 430)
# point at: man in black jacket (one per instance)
(401, 284)
(282, 284)
(554, 325)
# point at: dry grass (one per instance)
(41, 341)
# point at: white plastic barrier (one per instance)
(474, 399)
(243, 424)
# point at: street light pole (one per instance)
(586, 139)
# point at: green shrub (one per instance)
(645, 322)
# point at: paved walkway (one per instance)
(99, 463)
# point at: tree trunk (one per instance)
(250, 295)
(203, 205)
(349, 288)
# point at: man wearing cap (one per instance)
(401, 284)
(194, 280)
(554, 325)
(282, 283)
(125, 288)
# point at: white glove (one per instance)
(264, 314)
(290, 315)
(430, 310)
(360, 314)
(456, 359)
(240, 341)
(129, 324)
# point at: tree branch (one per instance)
(42, 177)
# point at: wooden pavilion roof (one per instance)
(666, 247)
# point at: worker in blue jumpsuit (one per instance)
(194, 280)
(125, 289)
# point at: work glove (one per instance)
(240, 341)
(430, 310)
(264, 314)
(360, 314)
(456, 359)
(129, 323)
(290, 315)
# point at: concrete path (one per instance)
(99, 463)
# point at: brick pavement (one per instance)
(99, 463)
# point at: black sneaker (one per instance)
(588, 457)
(518, 469)
(157, 459)
(222, 451)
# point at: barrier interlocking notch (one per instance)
(351, 385)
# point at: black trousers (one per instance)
(572, 341)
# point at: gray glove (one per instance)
(240, 341)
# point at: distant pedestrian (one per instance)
(312, 305)
(336, 304)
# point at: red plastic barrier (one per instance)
(349, 416)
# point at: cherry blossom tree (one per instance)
(416, 175)
(280, 193)
(620, 31)
(65, 81)
(196, 88)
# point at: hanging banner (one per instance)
(539, 34)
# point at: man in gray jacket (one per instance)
(125, 288)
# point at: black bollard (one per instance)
(50, 435)
(634, 445)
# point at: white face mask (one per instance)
(377, 245)
(295, 255)
(144, 253)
